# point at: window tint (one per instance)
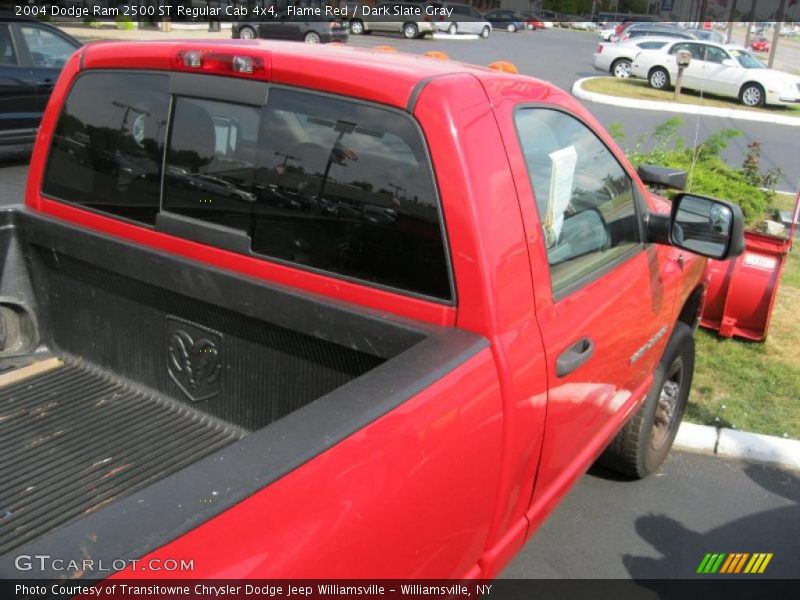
(697, 50)
(715, 55)
(651, 45)
(326, 183)
(584, 197)
(47, 49)
(7, 54)
(107, 149)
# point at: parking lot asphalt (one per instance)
(662, 527)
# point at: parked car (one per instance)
(551, 18)
(346, 384)
(647, 30)
(464, 19)
(532, 20)
(617, 58)
(408, 29)
(505, 20)
(319, 31)
(717, 69)
(608, 31)
(32, 54)
(707, 35)
(760, 44)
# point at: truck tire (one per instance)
(645, 440)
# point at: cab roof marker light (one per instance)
(504, 67)
(221, 63)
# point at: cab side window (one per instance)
(585, 199)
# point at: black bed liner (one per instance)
(74, 438)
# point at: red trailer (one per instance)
(741, 292)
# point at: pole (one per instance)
(731, 19)
(678, 84)
(749, 24)
(776, 35)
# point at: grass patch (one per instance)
(640, 90)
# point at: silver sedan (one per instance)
(464, 19)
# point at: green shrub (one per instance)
(124, 22)
(709, 174)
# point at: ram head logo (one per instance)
(193, 359)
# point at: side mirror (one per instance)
(662, 176)
(701, 225)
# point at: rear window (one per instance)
(322, 182)
(107, 149)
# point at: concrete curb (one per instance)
(739, 444)
(689, 109)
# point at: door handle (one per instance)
(574, 356)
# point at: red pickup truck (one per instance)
(292, 311)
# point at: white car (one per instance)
(724, 70)
(464, 19)
(618, 58)
(608, 31)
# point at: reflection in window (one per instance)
(326, 183)
(107, 148)
(584, 197)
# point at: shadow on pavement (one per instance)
(683, 549)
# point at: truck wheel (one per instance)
(644, 442)
(410, 31)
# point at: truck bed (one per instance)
(73, 438)
(142, 393)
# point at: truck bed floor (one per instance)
(73, 438)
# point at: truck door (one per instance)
(601, 300)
